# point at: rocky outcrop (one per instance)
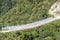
(55, 9)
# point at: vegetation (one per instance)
(49, 31)
(17, 12)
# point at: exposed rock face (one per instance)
(55, 9)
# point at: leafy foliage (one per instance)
(49, 31)
(17, 12)
(26, 11)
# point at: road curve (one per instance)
(28, 26)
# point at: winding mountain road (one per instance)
(54, 10)
(28, 26)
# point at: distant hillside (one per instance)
(17, 12)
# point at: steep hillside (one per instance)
(17, 12)
(27, 11)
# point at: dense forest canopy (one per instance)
(17, 12)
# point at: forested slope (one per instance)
(17, 12)
(26, 11)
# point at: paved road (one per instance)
(28, 26)
(38, 23)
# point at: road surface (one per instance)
(55, 8)
(28, 26)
